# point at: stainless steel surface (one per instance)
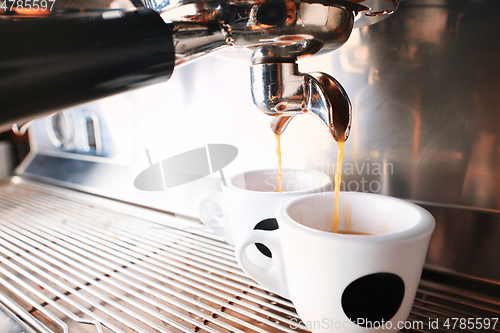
(9, 323)
(100, 270)
(300, 28)
(24, 316)
(78, 263)
(423, 88)
(281, 91)
(440, 302)
(368, 11)
(195, 40)
(465, 242)
(425, 114)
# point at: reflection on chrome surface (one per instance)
(424, 86)
(424, 89)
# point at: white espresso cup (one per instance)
(251, 198)
(344, 282)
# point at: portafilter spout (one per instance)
(281, 91)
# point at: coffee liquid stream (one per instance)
(280, 170)
(338, 177)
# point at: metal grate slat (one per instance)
(50, 235)
(79, 266)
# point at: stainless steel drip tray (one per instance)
(72, 262)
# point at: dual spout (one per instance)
(281, 91)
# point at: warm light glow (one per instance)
(32, 12)
(16, 180)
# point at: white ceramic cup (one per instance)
(252, 197)
(337, 281)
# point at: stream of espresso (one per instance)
(280, 170)
(338, 177)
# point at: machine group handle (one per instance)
(51, 63)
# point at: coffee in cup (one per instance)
(344, 282)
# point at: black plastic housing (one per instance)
(51, 63)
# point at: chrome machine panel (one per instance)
(423, 86)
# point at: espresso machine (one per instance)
(88, 56)
(106, 89)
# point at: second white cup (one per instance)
(250, 199)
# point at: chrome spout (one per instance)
(281, 91)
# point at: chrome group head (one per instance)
(279, 33)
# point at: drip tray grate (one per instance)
(71, 262)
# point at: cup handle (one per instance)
(273, 276)
(218, 223)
